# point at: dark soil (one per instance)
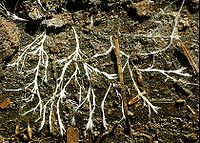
(142, 26)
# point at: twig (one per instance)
(189, 57)
(190, 109)
(121, 80)
(136, 98)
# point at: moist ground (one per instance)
(142, 26)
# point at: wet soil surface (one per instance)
(59, 71)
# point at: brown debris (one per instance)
(140, 81)
(88, 138)
(190, 109)
(182, 102)
(54, 130)
(24, 134)
(2, 139)
(9, 38)
(142, 8)
(72, 135)
(144, 135)
(5, 103)
(58, 20)
(189, 57)
(109, 132)
(136, 98)
(17, 128)
(33, 10)
(29, 132)
(121, 80)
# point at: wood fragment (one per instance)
(189, 57)
(190, 109)
(162, 101)
(140, 79)
(136, 98)
(130, 113)
(17, 128)
(72, 135)
(5, 103)
(121, 80)
(29, 132)
(19, 132)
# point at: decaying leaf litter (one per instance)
(60, 69)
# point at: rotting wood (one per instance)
(189, 57)
(121, 81)
(72, 135)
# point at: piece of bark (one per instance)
(72, 135)
(5, 103)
